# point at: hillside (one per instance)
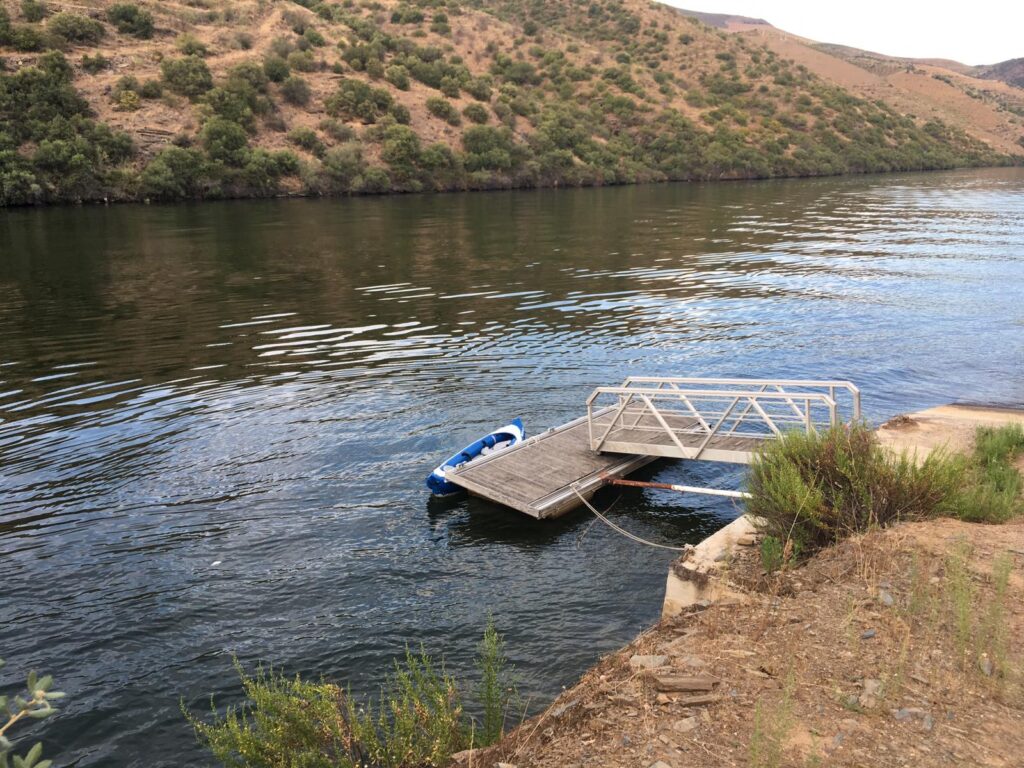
(173, 100)
(982, 101)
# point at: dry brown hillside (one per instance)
(257, 97)
(988, 109)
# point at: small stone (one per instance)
(934, 580)
(885, 598)
(872, 689)
(638, 661)
(685, 725)
(663, 738)
(505, 765)
(663, 698)
(907, 712)
(928, 722)
(746, 541)
(660, 764)
(985, 663)
(867, 634)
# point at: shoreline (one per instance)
(1014, 161)
(663, 699)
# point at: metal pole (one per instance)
(680, 488)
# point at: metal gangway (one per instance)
(712, 419)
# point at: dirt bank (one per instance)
(903, 647)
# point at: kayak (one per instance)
(498, 440)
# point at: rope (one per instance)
(624, 532)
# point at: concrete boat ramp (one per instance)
(647, 418)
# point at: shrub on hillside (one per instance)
(131, 20)
(398, 76)
(295, 90)
(357, 100)
(33, 11)
(276, 68)
(189, 45)
(302, 61)
(95, 64)
(487, 148)
(476, 113)
(308, 140)
(188, 76)
(174, 174)
(811, 490)
(225, 142)
(75, 28)
(440, 107)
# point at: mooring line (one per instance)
(623, 531)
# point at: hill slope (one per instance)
(982, 101)
(263, 97)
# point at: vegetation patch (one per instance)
(810, 491)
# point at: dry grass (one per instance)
(873, 653)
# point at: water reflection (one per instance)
(262, 386)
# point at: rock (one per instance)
(663, 698)
(867, 634)
(660, 764)
(504, 765)
(746, 541)
(700, 700)
(685, 725)
(463, 757)
(638, 662)
(561, 710)
(885, 598)
(675, 683)
(908, 712)
(928, 723)
(985, 663)
(871, 690)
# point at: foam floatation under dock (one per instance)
(647, 418)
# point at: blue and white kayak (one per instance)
(498, 440)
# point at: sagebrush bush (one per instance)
(811, 490)
(295, 90)
(75, 28)
(418, 721)
(440, 107)
(188, 76)
(131, 20)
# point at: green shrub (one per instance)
(188, 76)
(419, 720)
(812, 490)
(33, 11)
(476, 113)
(357, 100)
(336, 129)
(151, 89)
(398, 76)
(994, 493)
(302, 61)
(75, 28)
(308, 140)
(450, 87)
(95, 64)
(225, 142)
(26, 39)
(487, 148)
(131, 20)
(35, 703)
(443, 109)
(250, 73)
(276, 68)
(342, 168)
(189, 45)
(479, 88)
(295, 90)
(314, 38)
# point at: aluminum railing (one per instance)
(689, 417)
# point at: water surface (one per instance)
(215, 419)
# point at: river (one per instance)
(215, 419)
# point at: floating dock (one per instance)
(647, 418)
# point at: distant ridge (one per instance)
(723, 20)
(1010, 71)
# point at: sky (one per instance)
(977, 32)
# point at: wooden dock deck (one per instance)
(724, 420)
(537, 476)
